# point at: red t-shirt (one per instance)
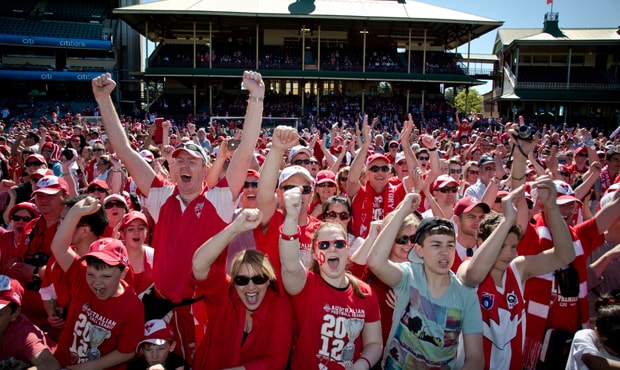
(119, 329)
(23, 340)
(268, 344)
(180, 230)
(369, 206)
(325, 316)
(268, 242)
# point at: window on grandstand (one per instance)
(578, 59)
(525, 59)
(559, 59)
(540, 59)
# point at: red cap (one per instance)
(253, 173)
(30, 207)
(325, 176)
(375, 157)
(10, 291)
(467, 204)
(99, 183)
(41, 172)
(51, 185)
(581, 149)
(38, 157)
(443, 181)
(131, 217)
(156, 332)
(109, 250)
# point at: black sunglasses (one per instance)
(455, 171)
(98, 150)
(473, 172)
(452, 189)
(344, 215)
(379, 168)
(326, 185)
(404, 239)
(305, 189)
(30, 164)
(325, 244)
(242, 280)
(423, 158)
(299, 162)
(17, 218)
(97, 189)
(250, 184)
(112, 204)
(393, 146)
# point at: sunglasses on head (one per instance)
(299, 162)
(420, 158)
(112, 204)
(385, 168)
(250, 184)
(18, 218)
(305, 189)
(97, 189)
(326, 185)
(404, 239)
(242, 280)
(30, 164)
(344, 215)
(452, 189)
(325, 244)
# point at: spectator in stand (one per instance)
(91, 169)
(611, 172)
(250, 319)
(442, 197)
(98, 189)
(134, 230)
(156, 349)
(19, 216)
(185, 212)
(327, 294)
(468, 213)
(325, 186)
(598, 348)
(116, 208)
(499, 275)
(23, 345)
(51, 152)
(433, 307)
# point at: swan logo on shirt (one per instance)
(198, 209)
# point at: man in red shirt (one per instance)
(186, 213)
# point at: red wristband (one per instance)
(367, 361)
(290, 237)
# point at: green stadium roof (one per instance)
(446, 27)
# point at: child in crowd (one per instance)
(156, 349)
(598, 348)
(106, 318)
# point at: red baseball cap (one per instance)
(375, 157)
(38, 157)
(131, 217)
(443, 181)
(581, 149)
(10, 291)
(325, 176)
(109, 250)
(30, 207)
(253, 173)
(467, 204)
(51, 185)
(99, 183)
(156, 332)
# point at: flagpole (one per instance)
(551, 6)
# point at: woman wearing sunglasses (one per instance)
(19, 216)
(250, 321)
(337, 315)
(324, 187)
(338, 209)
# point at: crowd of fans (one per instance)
(362, 242)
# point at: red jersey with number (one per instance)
(96, 327)
(330, 322)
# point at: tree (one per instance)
(473, 103)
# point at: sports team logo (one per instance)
(488, 299)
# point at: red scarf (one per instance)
(363, 206)
(538, 296)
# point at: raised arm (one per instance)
(208, 252)
(563, 251)
(293, 271)
(378, 260)
(609, 214)
(283, 138)
(360, 256)
(473, 272)
(353, 183)
(61, 244)
(140, 171)
(240, 161)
